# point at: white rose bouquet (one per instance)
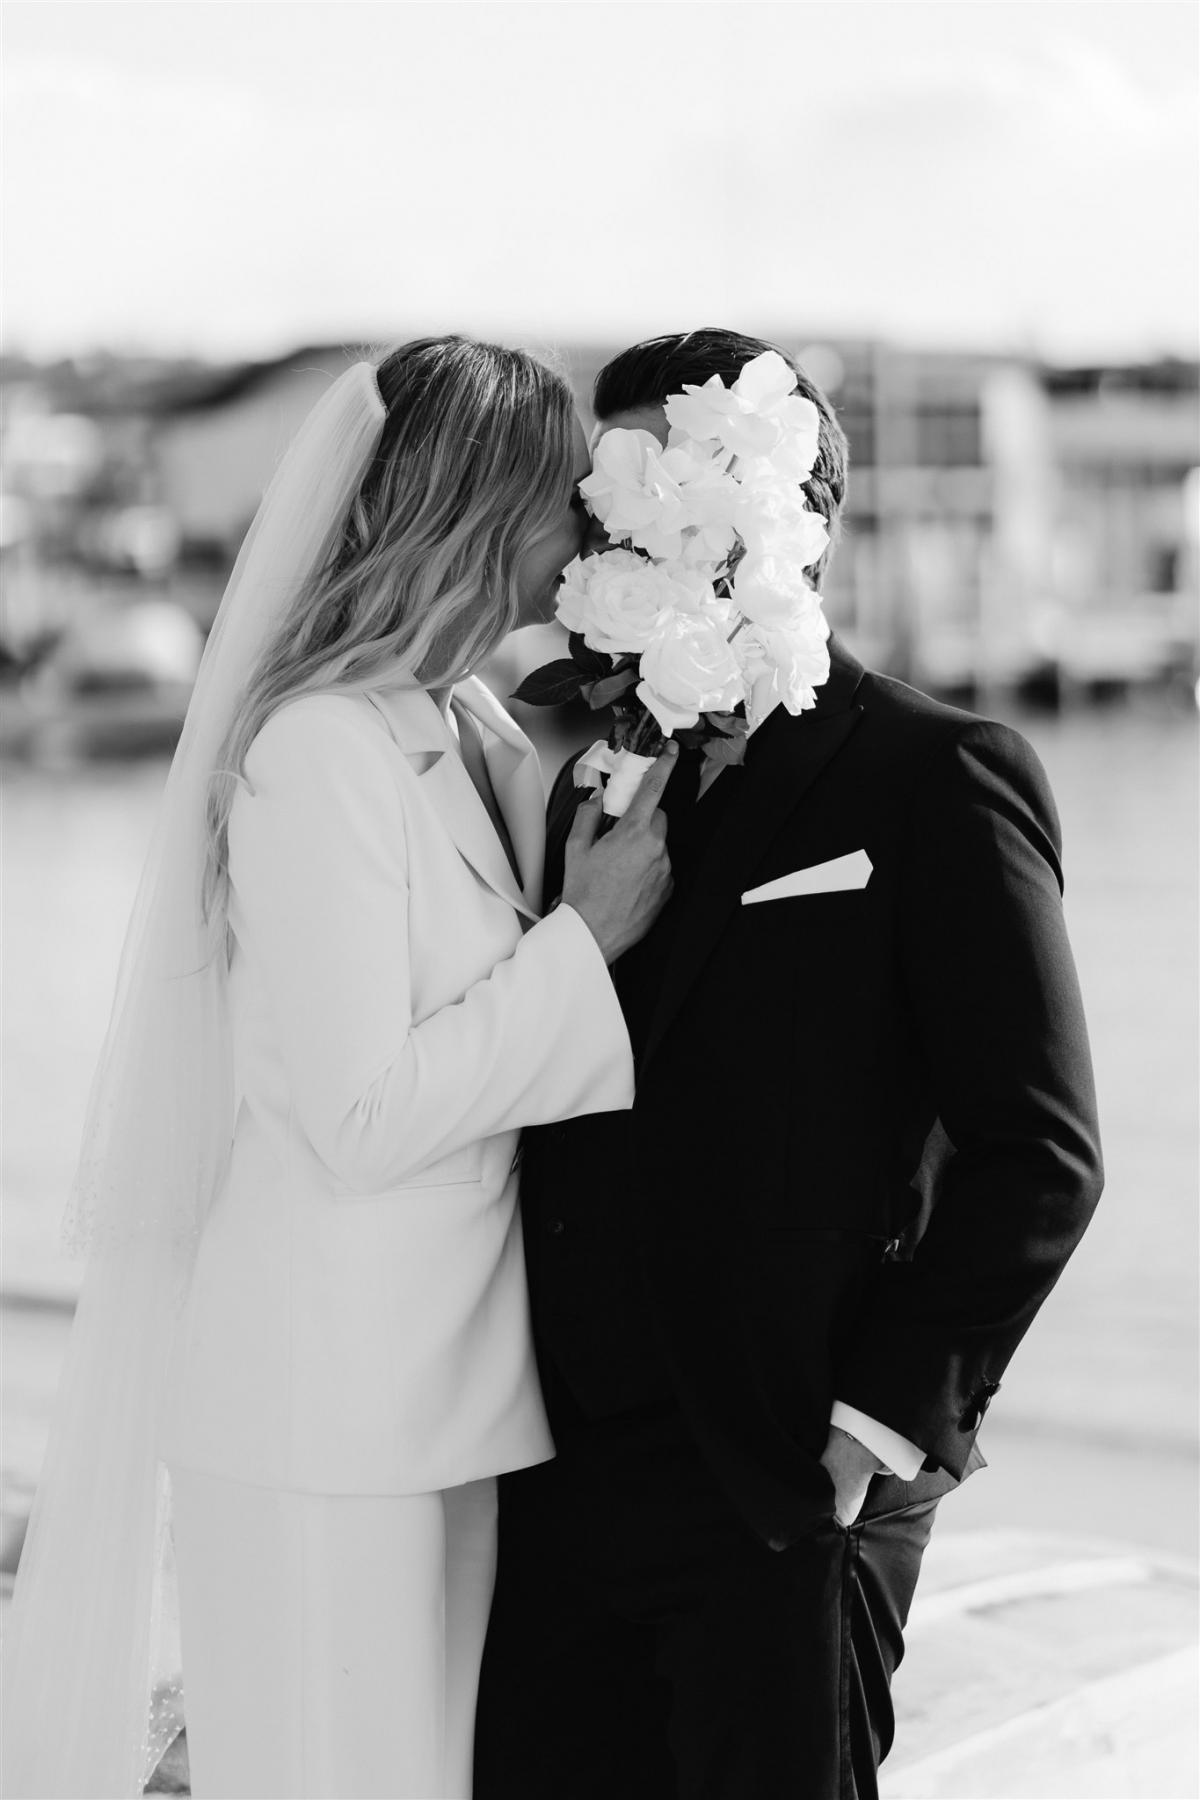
(702, 618)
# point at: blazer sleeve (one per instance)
(992, 991)
(319, 864)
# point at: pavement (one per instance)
(1047, 1667)
(1037, 1668)
(1052, 1644)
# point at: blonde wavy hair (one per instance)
(474, 460)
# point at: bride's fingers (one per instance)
(585, 824)
(650, 787)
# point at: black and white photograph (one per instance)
(600, 930)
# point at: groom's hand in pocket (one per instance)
(850, 1466)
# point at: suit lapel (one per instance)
(784, 759)
(424, 737)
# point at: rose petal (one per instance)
(670, 718)
(765, 381)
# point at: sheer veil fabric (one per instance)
(91, 1625)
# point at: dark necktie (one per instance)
(682, 789)
(638, 974)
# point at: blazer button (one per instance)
(555, 1227)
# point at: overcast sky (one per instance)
(237, 178)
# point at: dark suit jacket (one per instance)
(864, 1142)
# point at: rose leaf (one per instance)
(603, 693)
(552, 685)
(730, 723)
(593, 662)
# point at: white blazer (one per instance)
(358, 1317)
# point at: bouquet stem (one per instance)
(646, 738)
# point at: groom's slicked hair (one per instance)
(648, 373)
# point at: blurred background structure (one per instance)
(977, 227)
(1014, 528)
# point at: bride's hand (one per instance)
(619, 883)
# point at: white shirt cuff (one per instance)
(902, 1458)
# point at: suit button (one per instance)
(554, 1228)
(977, 1405)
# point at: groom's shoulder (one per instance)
(925, 736)
(906, 709)
(905, 715)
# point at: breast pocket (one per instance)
(460, 1169)
(808, 925)
(801, 903)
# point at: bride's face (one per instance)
(560, 541)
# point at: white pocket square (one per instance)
(838, 876)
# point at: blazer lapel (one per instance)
(785, 757)
(516, 777)
(424, 737)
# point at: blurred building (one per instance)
(216, 447)
(941, 569)
(1125, 444)
(941, 574)
(79, 513)
(1006, 521)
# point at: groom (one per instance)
(773, 1302)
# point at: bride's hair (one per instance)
(474, 459)
(648, 373)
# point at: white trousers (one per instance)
(331, 1644)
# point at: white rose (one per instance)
(689, 668)
(771, 590)
(618, 601)
(759, 417)
(786, 663)
(710, 496)
(772, 517)
(708, 548)
(766, 389)
(636, 490)
(790, 459)
(615, 489)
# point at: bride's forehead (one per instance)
(638, 418)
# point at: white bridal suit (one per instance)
(354, 1365)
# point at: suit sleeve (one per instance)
(991, 987)
(319, 865)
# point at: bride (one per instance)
(301, 1353)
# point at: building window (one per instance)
(858, 423)
(949, 437)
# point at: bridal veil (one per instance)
(90, 1624)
